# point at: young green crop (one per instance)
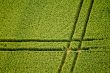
(92, 62)
(37, 19)
(68, 62)
(98, 24)
(30, 62)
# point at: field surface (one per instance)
(54, 36)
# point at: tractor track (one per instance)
(70, 38)
(82, 36)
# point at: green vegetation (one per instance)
(81, 19)
(96, 58)
(96, 43)
(37, 19)
(68, 62)
(74, 45)
(51, 22)
(93, 62)
(98, 25)
(29, 62)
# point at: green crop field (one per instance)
(54, 36)
(93, 62)
(37, 19)
(29, 62)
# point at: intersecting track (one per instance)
(82, 36)
(52, 40)
(65, 49)
(72, 33)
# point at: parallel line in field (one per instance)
(89, 48)
(33, 40)
(70, 38)
(82, 36)
(94, 51)
(31, 49)
(49, 49)
(48, 40)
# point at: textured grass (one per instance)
(29, 62)
(53, 20)
(37, 19)
(68, 62)
(96, 43)
(74, 45)
(96, 58)
(98, 25)
(93, 62)
(82, 18)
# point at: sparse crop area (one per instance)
(54, 36)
